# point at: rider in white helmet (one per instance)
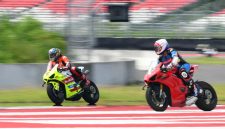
(170, 59)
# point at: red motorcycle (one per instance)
(166, 88)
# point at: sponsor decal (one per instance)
(68, 80)
(76, 88)
(71, 86)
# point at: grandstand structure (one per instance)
(80, 19)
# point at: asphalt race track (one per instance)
(111, 117)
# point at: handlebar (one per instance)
(164, 70)
(63, 69)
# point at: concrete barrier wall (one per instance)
(114, 73)
(17, 75)
(102, 73)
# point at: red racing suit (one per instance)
(64, 62)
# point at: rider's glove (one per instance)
(169, 66)
(65, 68)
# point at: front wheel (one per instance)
(56, 96)
(207, 101)
(91, 93)
(157, 101)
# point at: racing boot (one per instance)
(192, 99)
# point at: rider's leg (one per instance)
(77, 73)
(187, 78)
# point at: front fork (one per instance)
(160, 90)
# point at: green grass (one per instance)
(117, 95)
(220, 88)
(206, 60)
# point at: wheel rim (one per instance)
(157, 100)
(208, 96)
(93, 91)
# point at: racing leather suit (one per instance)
(171, 58)
(63, 62)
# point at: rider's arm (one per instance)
(50, 64)
(175, 58)
(66, 61)
(68, 65)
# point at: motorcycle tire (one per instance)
(207, 101)
(55, 96)
(151, 99)
(91, 93)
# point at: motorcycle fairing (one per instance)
(178, 90)
(54, 77)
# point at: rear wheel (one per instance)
(207, 101)
(56, 96)
(91, 93)
(156, 101)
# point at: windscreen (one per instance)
(152, 66)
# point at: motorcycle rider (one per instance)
(170, 59)
(56, 57)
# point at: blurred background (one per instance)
(112, 38)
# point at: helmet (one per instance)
(54, 53)
(160, 46)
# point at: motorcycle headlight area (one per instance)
(52, 76)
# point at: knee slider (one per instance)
(184, 74)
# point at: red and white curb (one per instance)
(112, 117)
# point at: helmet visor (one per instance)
(52, 56)
(158, 49)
